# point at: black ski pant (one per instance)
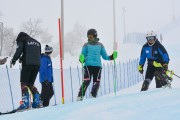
(46, 92)
(28, 77)
(150, 75)
(89, 72)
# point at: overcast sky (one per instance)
(141, 15)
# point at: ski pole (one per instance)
(143, 77)
(54, 94)
(114, 77)
(82, 59)
(10, 86)
(159, 65)
(173, 73)
(82, 80)
(114, 57)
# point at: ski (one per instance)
(16, 110)
(10, 112)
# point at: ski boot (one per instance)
(82, 90)
(164, 79)
(91, 96)
(79, 98)
(25, 103)
(145, 84)
(168, 81)
(94, 90)
(37, 103)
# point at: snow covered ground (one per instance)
(129, 104)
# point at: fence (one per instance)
(125, 74)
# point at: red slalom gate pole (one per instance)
(61, 64)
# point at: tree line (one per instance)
(73, 40)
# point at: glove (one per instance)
(156, 64)
(165, 66)
(46, 82)
(20, 60)
(113, 56)
(140, 68)
(81, 58)
(13, 62)
(3, 61)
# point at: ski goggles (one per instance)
(150, 38)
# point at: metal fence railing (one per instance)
(125, 75)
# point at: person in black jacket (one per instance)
(29, 51)
(155, 53)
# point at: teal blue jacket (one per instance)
(92, 52)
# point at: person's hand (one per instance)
(81, 58)
(113, 56)
(46, 82)
(3, 61)
(140, 68)
(165, 66)
(20, 60)
(12, 62)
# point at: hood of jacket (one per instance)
(22, 36)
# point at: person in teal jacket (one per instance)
(46, 76)
(91, 57)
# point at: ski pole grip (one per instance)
(81, 58)
(115, 54)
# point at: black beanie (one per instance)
(48, 49)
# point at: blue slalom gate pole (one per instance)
(10, 86)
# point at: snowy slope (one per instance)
(129, 104)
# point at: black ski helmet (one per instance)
(92, 32)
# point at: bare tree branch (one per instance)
(8, 41)
(75, 39)
(34, 28)
(46, 37)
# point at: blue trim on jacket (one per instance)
(93, 52)
(46, 69)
